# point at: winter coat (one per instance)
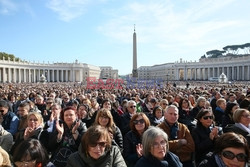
(131, 139)
(111, 158)
(170, 160)
(184, 152)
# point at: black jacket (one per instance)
(170, 160)
(67, 138)
(203, 144)
(125, 120)
(131, 139)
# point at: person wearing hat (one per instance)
(9, 120)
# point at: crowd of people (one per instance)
(65, 124)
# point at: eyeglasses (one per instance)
(163, 143)
(25, 163)
(246, 116)
(48, 102)
(100, 144)
(229, 155)
(206, 117)
(164, 104)
(132, 106)
(140, 121)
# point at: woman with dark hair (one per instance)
(66, 138)
(105, 119)
(227, 118)
(231, 150)
(201, 102)
(157, 116)
(106, 103)
(204, 134)
(83, 113)
(185, 114)
(96, 150)
(156, 150)
(32, 154)
(139, 123)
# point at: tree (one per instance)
(246, 48)
(203, 57)
(214, 53)
(6, 56)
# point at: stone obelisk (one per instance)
(134, 71)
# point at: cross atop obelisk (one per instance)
(134, 71)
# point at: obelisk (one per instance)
(134, 71)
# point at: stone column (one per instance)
(66, 76)
(9, 75)
(57, 75)
(53, 75)
(39, 75)
(195, 73)
(14, 75)
(73, 76)
(48, 73)
(24, 75)
(243, 73)
(62, 75)
(238, 72)
(19, 76)
(34, 75)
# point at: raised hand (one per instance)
(76, 127)
(59, 127)
(28, 132)
(139, 149)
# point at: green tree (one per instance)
(214, 53)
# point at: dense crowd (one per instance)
(178, 124)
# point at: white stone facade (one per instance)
(235, 68)
(18, 72)
(108, 72)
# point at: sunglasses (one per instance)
(132, 106)
(206, 117)
(100, 144)
(229, 155)
(140, 121)
(2, 111)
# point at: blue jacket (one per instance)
(10, 122)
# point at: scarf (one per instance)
(173, 130)
(219, 161)
(243, 127)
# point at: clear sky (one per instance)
(100, 32)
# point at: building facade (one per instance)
(22, 71)
(108, 72)
(235, 68)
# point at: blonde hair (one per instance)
(38, 117)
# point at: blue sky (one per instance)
(100, 32)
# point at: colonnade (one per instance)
(233, 72)
(18, 75)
